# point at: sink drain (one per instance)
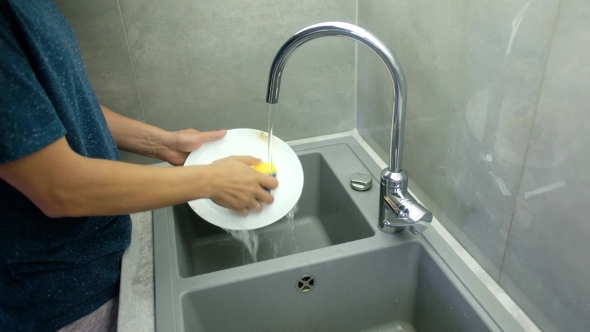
(305, 284)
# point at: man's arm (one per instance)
(141, 138)
(63, 183)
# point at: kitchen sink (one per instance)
(330, 269)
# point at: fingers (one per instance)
(207, 136)
(269, 182)
(253, 205)
(248, 160)
(264, 196)
(256, 206)
(259, 207)
(188, 140)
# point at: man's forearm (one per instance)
(135, 136)
(62, 183)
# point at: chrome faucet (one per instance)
(397, 208)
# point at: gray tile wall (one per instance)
(497, 138)
(473, 81)
(204, 64)
(548, 255)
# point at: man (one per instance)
(64, 196)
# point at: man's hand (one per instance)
(146, 140)
(62, 183)
(229, 182)
(178, 144)
(237, 186)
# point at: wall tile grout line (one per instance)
(356, 70)
(529, 137)
(131, 61)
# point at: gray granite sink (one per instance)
(357, 278)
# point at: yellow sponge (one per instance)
(266, 168)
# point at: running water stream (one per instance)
(251, 241)
(250, 237)
(270, 125)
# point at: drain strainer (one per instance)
(305, 284)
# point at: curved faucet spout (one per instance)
(397, 208)
(366, 38)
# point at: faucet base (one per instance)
(397, 208)
(389, 229)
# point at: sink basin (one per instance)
(328, 270)
(398, 287)
(325, 216)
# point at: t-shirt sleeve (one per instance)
(28, 120)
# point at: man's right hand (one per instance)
(237, 186)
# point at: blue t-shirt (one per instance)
(52, 271)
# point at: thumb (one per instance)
(207, 136)
(248, 160)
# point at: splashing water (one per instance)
(250, 240)
(291, 219)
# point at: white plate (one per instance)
(251, 142)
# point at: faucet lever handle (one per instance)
(397, 207)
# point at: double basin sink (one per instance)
(327, 269)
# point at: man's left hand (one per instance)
(180, 143)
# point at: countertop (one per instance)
(136, 299)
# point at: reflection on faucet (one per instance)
(397, 208)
